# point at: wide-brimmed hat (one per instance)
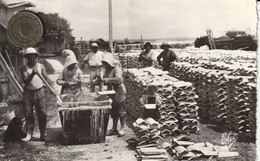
(30, 51)
(149, 44)
(94, 45)
(165, 44)
(110, 59)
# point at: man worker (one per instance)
(147, 57)
(33, 95)
(93, 59)
(168, 56)
(114, 79)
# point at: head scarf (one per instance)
(68, 52)
(110, 59)
(70, 60)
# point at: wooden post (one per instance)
(110, 27)
(211, 40)
(81, 45)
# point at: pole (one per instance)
(11, 66)
(110, 27)
(81, 45)
(10, 75)
(50, 88)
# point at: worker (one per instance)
(71, 77)
(151, 97)
(168, 56)
(93, 59)
(67, 52)
(114, 79)
(147, 57)
(33, 95)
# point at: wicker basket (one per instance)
(84, 122)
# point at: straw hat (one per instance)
(165, 44)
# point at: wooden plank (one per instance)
(83, 108)
(184, 143)
(110, 92)
(162, 156)
(85, 103)
(150, 106)
(10, 76)
(102, 125)
(209, 153)
(152, 151)
(228, 154)
(11, 65)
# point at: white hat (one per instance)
(67, 52)
(30, 51)
(110, 59)
(70, 60)
(94, 45)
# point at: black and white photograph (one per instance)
(128, 80)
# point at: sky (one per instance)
(153, 18)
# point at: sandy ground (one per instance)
(114, 149)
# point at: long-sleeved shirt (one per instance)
(168, 57)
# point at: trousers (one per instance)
(34, 99)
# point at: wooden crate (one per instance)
(86, 123)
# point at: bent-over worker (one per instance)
(114, 79)
(33, 95)
(168, 56)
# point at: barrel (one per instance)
(85, 122)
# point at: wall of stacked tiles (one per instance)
(225, 96)
(179, 108)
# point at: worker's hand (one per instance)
(67, 83)
(35, 71)
(104, 80)
(143, 56)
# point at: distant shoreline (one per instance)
(151, 39)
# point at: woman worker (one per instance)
(71, 76)
(114, 80)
